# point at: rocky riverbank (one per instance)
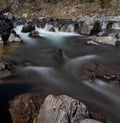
(60, 9)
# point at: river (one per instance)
(56, 76)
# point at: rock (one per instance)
(14, 37)
(90, 121)
(34, 34)
(61, 109)
(5, 36)
(109, 25)
(92, 42)
(63, 27)
(5, 69)
(98, 116)
(93, 70)
(8, 15)
(25, 15)
(25, 108)
(19, 21)
(96, 29)
(86, 28)
(5, 27)
(27, 63)
(58, 55)
(108, 40)
(77, 28)
(28, 27)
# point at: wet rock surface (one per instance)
(34, 34)
(62, 109)
(27, 63)
(28, 27)
(14, 37)
(98, 116)
(6, 69)
(25, 108)
(37, 108)
(93, 70)
(107, 40)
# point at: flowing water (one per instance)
(55, 76)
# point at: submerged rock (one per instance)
(27, 63)
(58, 55)
(61, 109)
(93, 70)
(98, 116)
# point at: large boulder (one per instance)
(61, 109)
(25, 108)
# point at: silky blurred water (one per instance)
(62, 77)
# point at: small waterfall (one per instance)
(116, 26)
(104, 24)
(70, 28)
(56, 38)
(48, 27)
(24, 36)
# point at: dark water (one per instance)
(56, 76)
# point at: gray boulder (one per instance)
(61, 109)
(86, 28)
(109, 40)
